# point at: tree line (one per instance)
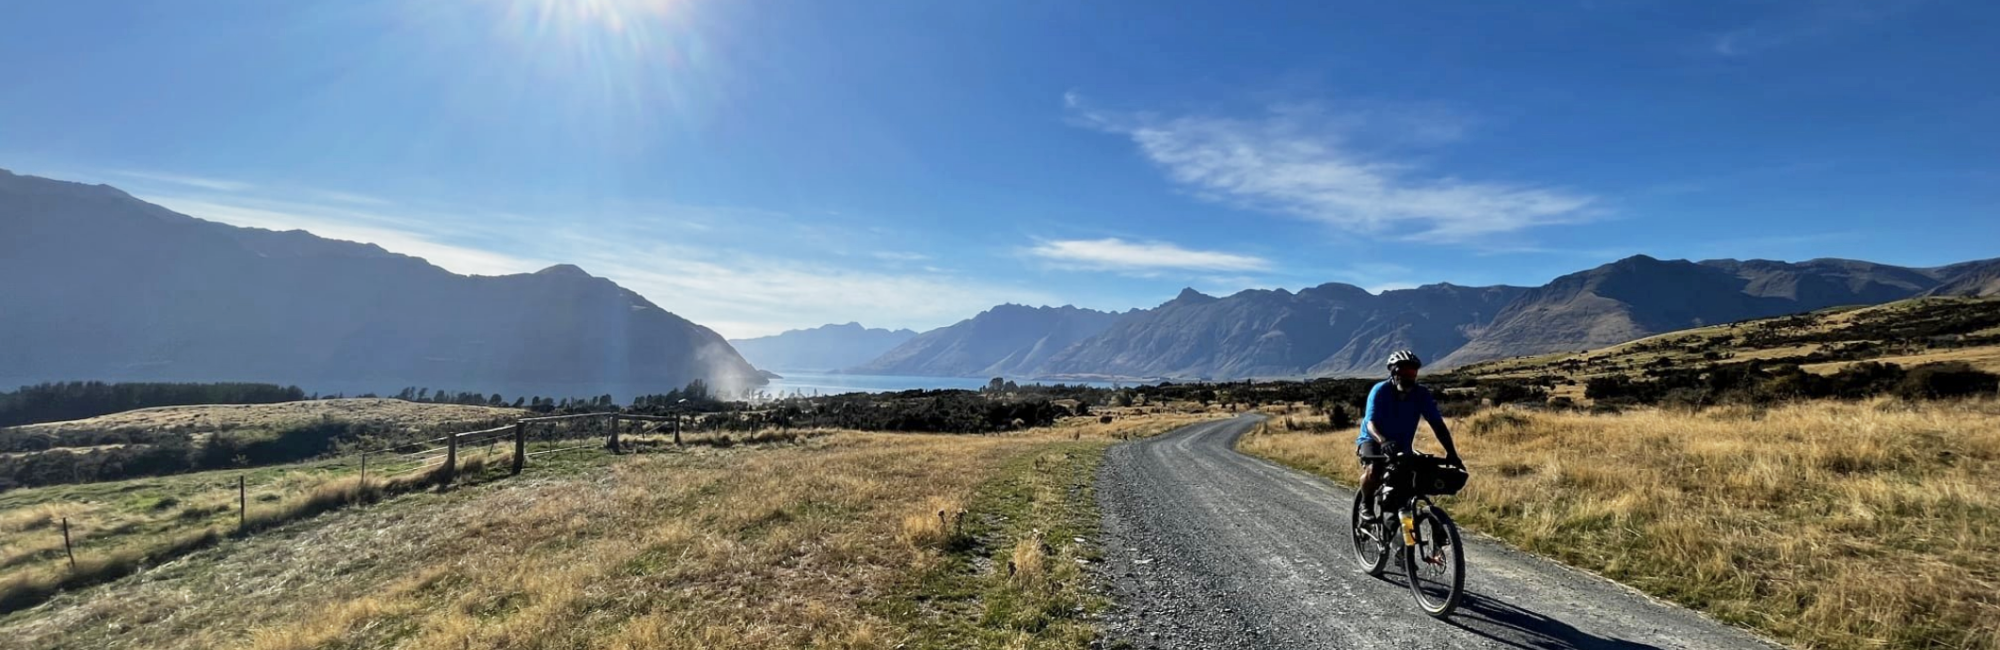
(75, 400)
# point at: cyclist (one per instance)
(1389, 426)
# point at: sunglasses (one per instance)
(1407, 369)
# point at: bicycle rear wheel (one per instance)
(1371, 550)
(1436, 565)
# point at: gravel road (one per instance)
(1209, 548)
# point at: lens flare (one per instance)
(623, 65)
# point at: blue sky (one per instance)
(763, 165)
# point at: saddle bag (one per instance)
(1435, 477)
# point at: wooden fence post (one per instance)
(67, 550)
(520, 445)
(677, 429)
(612, 442)
(364, 471)
(450, 458)
(242, 503)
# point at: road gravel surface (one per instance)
(1209, 548)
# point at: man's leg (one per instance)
(1371, 475)
(1370, 480)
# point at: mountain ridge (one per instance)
(1338, 329)
(176, 298)
(829, 347)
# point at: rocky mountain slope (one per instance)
(102, 285)
(1008, 340)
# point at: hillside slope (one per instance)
(128, 290)
(1906, 332)
(1640, 296)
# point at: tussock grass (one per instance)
(776, 546)
(941, 525)
(1132, 422)
(1829, 524)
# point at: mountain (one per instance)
(1008, 340)
(1331, 329)
(828, 347)
(105, 286)
(1342, 330)
(1979, 279)
(1640, 296)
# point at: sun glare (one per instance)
(613, 64)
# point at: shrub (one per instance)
(1505, 392)
(1942, 380)
(1340, 417)
(1607, 387)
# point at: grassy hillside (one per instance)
(831, 541)
(178, 439)
(1829, 524)
(232, 417)
(1910, 331)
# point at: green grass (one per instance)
(117, 528)
(1014, 577)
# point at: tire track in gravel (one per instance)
(1208, 548)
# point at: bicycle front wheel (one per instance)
(1371, 550)
(1436, 565)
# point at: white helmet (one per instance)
(1404, 356)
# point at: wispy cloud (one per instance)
(1120, 255)
(743, 294)
(215, 184)
(1806, 22)
(900, 256)
(735, 291)
(1302, 161)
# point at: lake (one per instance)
(793, 383)
(807, 383)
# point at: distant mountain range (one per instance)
(101, 285)
(819, 349)
(1341, 330)
(1008, 340)
(96, 284)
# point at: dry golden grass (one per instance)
(1134, 422)
(1983, 358)
(830, 542)
(228, 417)
(1829, 525)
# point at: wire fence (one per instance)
(95, 551)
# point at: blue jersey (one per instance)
(1395, 416)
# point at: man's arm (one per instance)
(1376, 404)
(1438, 428)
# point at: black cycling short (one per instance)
(1370, 453)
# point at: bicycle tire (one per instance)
(1365, 540)
(1434, 526)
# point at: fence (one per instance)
(383, 471)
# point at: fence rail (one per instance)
(382, 471)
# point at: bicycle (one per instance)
(1427, 541)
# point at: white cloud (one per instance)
(1120, 255)
(394, 233)
(900, 256)
(743, 295)
(1301, 162)
(216, 184)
